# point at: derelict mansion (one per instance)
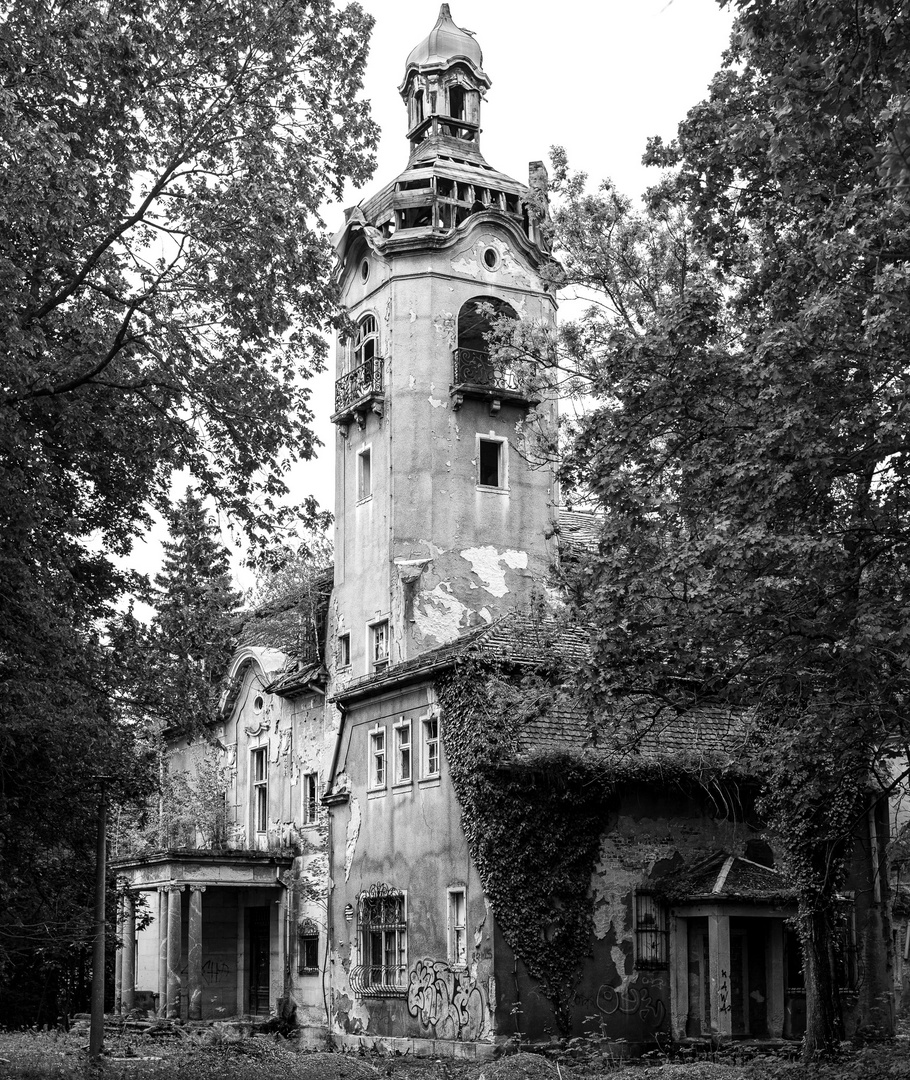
(342, 884)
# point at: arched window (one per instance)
(365, 340)
(476, 321)
(456, 102)
(418, 107)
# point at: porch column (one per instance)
(118, 962)
(162, 950)
(679, 976)
(776, 978)
(173, 951)
(719, 969)
(194, 953)
(128, 985)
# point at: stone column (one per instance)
(719, 969)
(118, 962)
(162, 950)
(128, 989)
(194, 953)
(776, 978)
(174, 907)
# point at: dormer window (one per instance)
(365, 341)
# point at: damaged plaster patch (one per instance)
(487, 564)
(352, 836)
(412, 382)
(440, 614)
(436, 402)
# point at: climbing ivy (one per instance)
(534, 823)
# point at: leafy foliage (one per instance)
(748, 356)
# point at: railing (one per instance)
(391, 981)
(358, 384)
(480, 369)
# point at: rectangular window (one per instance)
(430, 726)
(403, 753)
(491, 463)
(383, 943)
(364, 475)
(260, 789)
(458, 937)
(377, 758)
(310, 797)
(652, 932)
(344, 650)
(307, 948)
(379, 645)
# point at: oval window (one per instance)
(258, 703)
(491, 258)
(365, 270)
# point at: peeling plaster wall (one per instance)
(407, 836)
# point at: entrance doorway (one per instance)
(258, 920)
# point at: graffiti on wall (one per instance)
(447, 1000)
(632, 1001)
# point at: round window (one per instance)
(258, 703)
(365, 270)
(491, 259)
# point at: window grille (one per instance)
(383, 938)
(652, 932)
(307, 947)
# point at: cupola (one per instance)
(444, 82)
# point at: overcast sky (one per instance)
(595, 76)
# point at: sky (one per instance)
(597, 77)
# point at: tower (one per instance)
(441, 522)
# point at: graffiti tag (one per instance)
(447, 1000)
(633, 1001)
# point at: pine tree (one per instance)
(192, 637)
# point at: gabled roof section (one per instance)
(721, 877)
(578, 531)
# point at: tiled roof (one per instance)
(578, 531)
(302, 678)
(721, 876)
(294, 622)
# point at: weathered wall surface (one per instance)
(407, 836)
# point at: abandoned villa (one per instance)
(349, 876)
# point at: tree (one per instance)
(164, 272)
(748, 358)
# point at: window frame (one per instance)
(366, 339)
(502, 458)
(380, 663)
(344, 650)
(651, 915)
(259, 789)
(426, 743)
(453, 927)
(402, 749)
(390, 932)
(309, 809)
(378, 763)
(307, 935)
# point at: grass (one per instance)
(39, 1055)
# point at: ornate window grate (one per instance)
(359, 384)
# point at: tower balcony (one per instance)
(481, 376)
(359, 392)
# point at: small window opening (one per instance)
(260, 766)
(377, 758)
(307, 948)
(652, 932)
(310, 797)
(458, 938)
(364, 476)
(379, 645)
(430, 726)
(365, 270)
(456, 102)
(403, 753)
(491, 258)
(258, 703)
(418, 107)
(489, 472)
(344, 650)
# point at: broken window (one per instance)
(652, 931)
(365, 341)
(379, 645)
(430, 750)
(344, 650)
(491, 462)
(377, 758)
(383, 933)
(307, 947)
(403, 752)
(259, 768)
(364, 475)
(310, 797)
(458, 938)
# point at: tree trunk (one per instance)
(824, 1020)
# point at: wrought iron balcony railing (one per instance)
(385, 981)
(358, 384)
(480, 369)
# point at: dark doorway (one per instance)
(258, 920)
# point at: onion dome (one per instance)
(446, 44)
